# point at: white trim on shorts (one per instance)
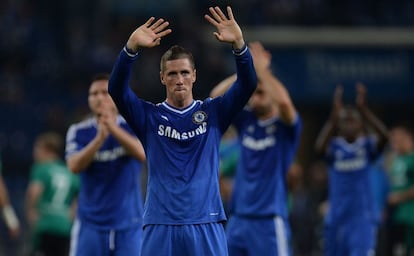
(111, 240)
(74, 237)
(281, 239)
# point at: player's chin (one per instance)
(181, 94)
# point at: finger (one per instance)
(230, 13)
(158, 41)
(211, 20)
(161, 27)
(220, 13)
(156, 24)
(149, 21)
(214, 13)
(339, 88)
(218, 36)
(164, 33)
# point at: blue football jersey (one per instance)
(110, 193)
(350, 192)
(182, 145)
(267, 151)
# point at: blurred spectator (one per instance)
(402, 190)
(50, 198)
(306, 197)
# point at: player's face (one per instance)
(99, 98)
(39, 151)
(178, 77)
(401, 141)
(350, 124)
(260, 101)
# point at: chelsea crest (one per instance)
(199, 117)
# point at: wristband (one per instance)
(10, 217)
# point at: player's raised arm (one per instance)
(274, 87)
(368, 116)
(147, 35)
(223, 86)
(329, 127)
(228, 31)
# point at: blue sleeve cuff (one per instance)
(241, 51)
(130, 53)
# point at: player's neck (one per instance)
(180, 104)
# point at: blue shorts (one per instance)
(192, 239)
(258, 236)
(86, 241)
(352, 238)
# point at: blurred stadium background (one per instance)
(50, 49)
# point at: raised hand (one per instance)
(337, 99)
(361, 92)
(227, 28)
(337, 102)
(262, 58)
(149, 34)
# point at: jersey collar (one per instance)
(179, 110)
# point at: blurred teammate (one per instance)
(350, 151)
(50, 197)
(183, 209)
(269, 132)
(106, 154)
(7, 211)
(401, 197)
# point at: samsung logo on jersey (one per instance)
(261, 144)
(170, 132)
(109, 155)
(350, 165)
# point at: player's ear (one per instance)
(194, 76)
(162, 78)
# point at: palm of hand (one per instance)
(228, 31)
(149, 34)
(145, 37)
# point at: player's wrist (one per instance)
(10, 217)
(132, 52)
(239, 48)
